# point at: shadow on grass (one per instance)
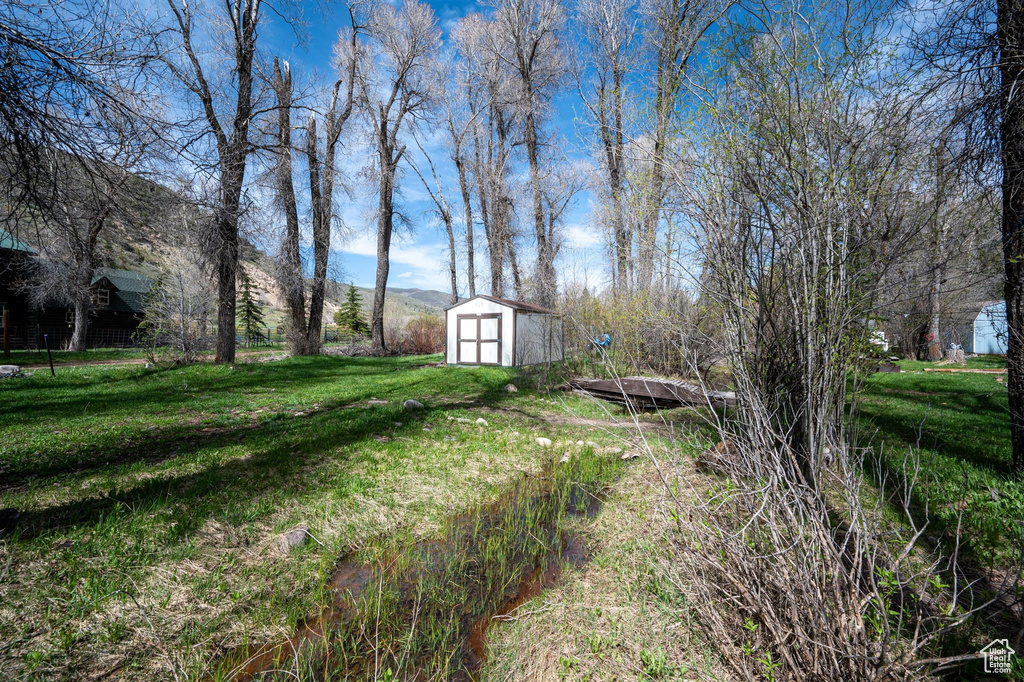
(140, 391)
(281, 452)
(980, 429)
(967, 442)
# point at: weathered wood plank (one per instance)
(651, 391)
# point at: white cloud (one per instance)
(426, 263)
(583, 237)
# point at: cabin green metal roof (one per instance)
(7, 241)
(124, 280)
(130, 287)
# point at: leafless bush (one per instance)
(423, 334)
(177, 310)
(664, 334)
(819, 583)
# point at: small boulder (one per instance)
(579, 444)
(544, 442)
(481, 421)
(611, 450)
(463, 420)
(629, 455)
(296, 537)
(412, 405)
(511, 388)
(9, 371)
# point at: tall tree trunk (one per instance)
(227, 266)
(232, 152)
(81, 327)
(451, 256)
(934, 338)
(1010, 20)
(83, 291)
(612, 139)
(545, 259)
(492, 201)
(321, 242)
(517, 280)
(467, 203)
(654, 193)
(290, 269)
(385, 223)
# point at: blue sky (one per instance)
(419, 253)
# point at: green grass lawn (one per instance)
(152, 501)
(33, 357)
(959, 423)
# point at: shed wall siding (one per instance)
(990, 330)
(539, 339)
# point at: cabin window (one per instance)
(101, 297)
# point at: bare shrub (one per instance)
(822, 583)
(178, 308)
(659, 333)
(423, 335)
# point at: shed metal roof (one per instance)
(520, 305)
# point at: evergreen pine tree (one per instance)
(250, 312)
(350, 316)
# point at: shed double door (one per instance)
(479, 339)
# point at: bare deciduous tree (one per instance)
(69, 69)
(526, 39)
(322, 175)
(673, 30)
(290, 268)
(609, 28)
(229, 129)
(391, 89)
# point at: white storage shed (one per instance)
(486, 330)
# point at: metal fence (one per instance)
(31, 337)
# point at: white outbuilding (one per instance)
(486, 330)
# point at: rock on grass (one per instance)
(296, 537)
